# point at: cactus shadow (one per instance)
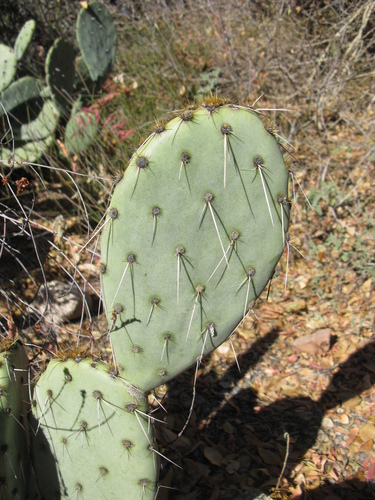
(264, 427)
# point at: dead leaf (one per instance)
(366, 287)
(352, 435)
(251, 438)
(228, 428)
(12, 330)
(366, 446)
(370, 474)
(292, 358)
(297, 493)
(352, 403)
(343, 418)
(232, 466)
(367, 432)
(298, 305)
(213, 455)
(269, 457)
(316, 343)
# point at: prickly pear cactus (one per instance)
(26, 90)
(97, 39)
(8, 65)
(33, 118)
(192, 236)
(43, 126)
(14, 440)
(60, 71)
(81, 131)
(24, 38)
(10, 57)
(92, 425)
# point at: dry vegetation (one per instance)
(317, 60)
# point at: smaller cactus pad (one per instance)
(23, 39)
(8, 66)
(60, 71)
(22, 92)
(95, 426)
(44, 125)
(14, 438)
(81, 131)
(97, 39)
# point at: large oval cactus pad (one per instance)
(193, 234)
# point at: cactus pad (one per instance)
(97, 39)
(14, 441)
(23, 39)
(31, 152)
(24, 91)
(60, 71)
(81, 131)
(8, 66)
(96, 429)
(43, 126)
(193, 234)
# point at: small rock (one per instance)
(327, 423)
(65, 302)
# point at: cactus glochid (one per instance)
(199, 229)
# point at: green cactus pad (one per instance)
(43, 126)
(95, 429)
(60, 71)
(31, 152)
(8, 66)
(23, 39)
(5, 154)
(14, 439)
(81, 131)
(193, 234)
(97, 39)
(24, 91)
(83, 82)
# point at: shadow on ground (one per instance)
(300, 417)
